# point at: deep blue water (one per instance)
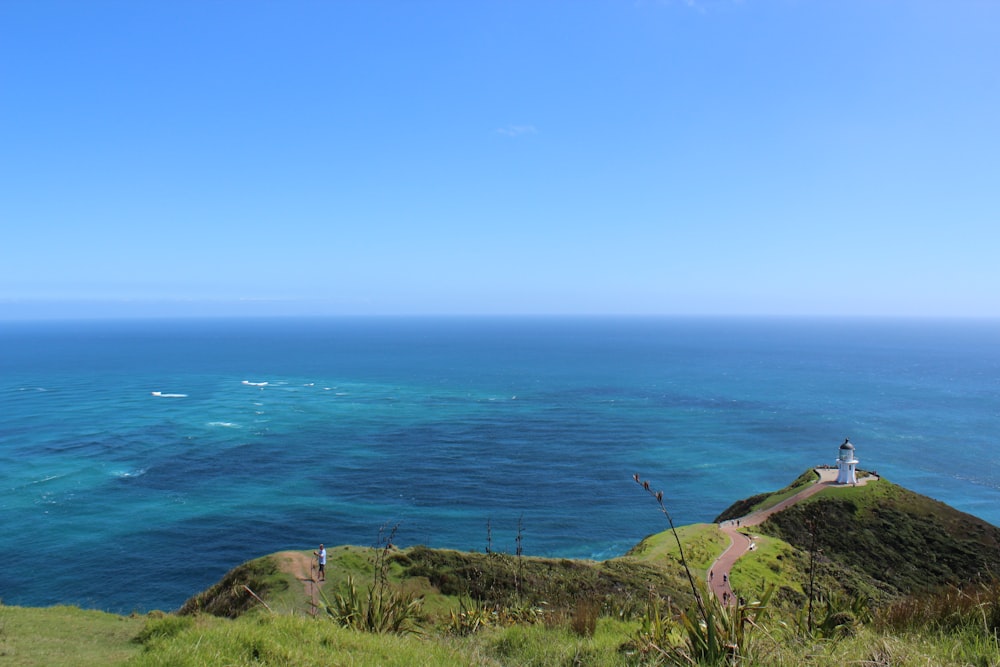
(115, 498)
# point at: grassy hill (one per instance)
(894, 540)
(445, 579)
(867, 575)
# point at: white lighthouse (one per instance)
(846, 463)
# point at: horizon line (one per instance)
(139, 317)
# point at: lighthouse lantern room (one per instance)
(846, 463)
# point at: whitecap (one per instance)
(160, 394)
(255, 384)
(224, 424)
(45, 479)
(127, 474)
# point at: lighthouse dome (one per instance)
(846, 452)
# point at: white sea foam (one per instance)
(42, 480)
(255, 384)
(127, 474)
(224, 424)
(160, 394)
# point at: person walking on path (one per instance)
(321, 561)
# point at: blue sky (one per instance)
(595, 157)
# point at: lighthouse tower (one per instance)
(845, 464)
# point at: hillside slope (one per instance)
(900, 541)
(444, 578)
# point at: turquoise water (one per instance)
(141, 460)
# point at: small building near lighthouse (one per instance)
(846, 464)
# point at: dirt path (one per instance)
(303, 568)
(740, 543)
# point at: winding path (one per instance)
(740, 543)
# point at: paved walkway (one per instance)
(740, 543)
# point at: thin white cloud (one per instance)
(517, 130)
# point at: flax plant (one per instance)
(382, 609)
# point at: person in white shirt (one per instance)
(321, 559)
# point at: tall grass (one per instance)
(973, 609)
(301, 641)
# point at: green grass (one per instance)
(70, 636)
(703, 543)
(65, 636)
(289, 640)
(296, 640)
(538, 646)
(772, 562)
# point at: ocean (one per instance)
(143, 459)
